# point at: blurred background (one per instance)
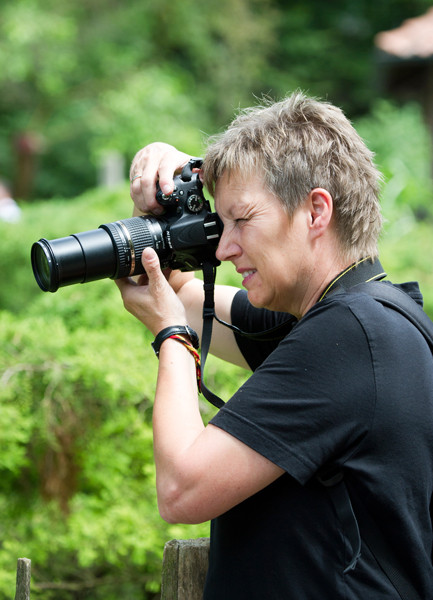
(84, 85)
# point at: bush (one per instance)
(77, 473)
(401, 142)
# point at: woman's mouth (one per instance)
(246, 275)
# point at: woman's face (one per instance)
(267, 248)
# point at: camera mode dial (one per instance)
(194, 203)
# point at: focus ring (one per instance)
(130, 237)
(144, 232)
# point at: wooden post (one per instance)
(184, 568)
(23, 579)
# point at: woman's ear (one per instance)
(321, 208)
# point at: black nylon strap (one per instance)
(208, 316)
(365, 269)
(395, 298)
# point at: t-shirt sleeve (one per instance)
(312, 399)
(275, 325)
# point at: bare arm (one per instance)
(201, 471)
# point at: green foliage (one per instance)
(401, 142)
(87, 77)
(156, 104)
(403, 153)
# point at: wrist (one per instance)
(179, 330)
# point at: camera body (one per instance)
(190, 232)
(184, 237)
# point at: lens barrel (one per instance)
(113, 250)
(74, 259)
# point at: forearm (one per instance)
(201, 472)
(177, 423)
(223, 342)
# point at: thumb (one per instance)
(150, 261)
(151, 264)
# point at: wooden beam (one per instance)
(184, 569)
(23, 579)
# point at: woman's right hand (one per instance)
(155, 162)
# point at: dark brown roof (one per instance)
(414, 38)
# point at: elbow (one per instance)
(177, 506)
(167, 509)
(168, 515)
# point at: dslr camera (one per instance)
(184, 237)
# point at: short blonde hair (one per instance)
(298, 144)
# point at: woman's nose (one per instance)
(227, 247)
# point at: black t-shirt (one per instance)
(351, 384)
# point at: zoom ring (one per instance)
(140, 234)
(130, 237)
(144, 232)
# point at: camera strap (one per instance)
(209, 276)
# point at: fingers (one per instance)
(155, 162)
(152, 268)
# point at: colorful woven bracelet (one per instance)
(194, 354)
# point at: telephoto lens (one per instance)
(113, 250)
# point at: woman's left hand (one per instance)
(151, 299)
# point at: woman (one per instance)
(297, 193)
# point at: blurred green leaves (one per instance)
(93, 76)
(401, 141)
